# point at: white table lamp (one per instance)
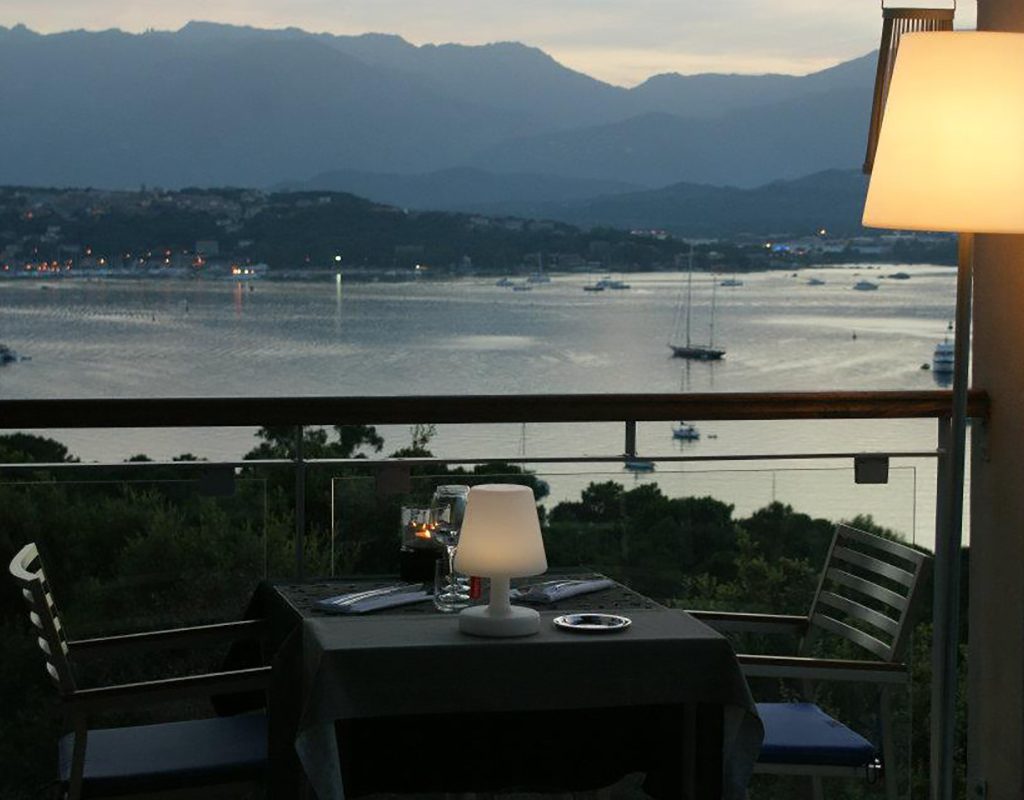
(500, 539)
(951, 158)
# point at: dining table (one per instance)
(400, 701)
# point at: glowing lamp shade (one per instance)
(951, 158)
(500, 539)
(951, 149)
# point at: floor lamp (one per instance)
(951, 158)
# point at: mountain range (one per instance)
(445, 126)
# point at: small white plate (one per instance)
(592, 623)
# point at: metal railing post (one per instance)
(300, 505)
(941, 634)
(946, 615)
(630, 438)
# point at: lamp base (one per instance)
(514, 621)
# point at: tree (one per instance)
(421, 435)
(279, 442)
(22, 448)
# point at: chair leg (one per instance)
(78, 761)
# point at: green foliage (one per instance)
(24, 448)
(348, 441)
(654, 542)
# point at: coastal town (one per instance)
(246, 234)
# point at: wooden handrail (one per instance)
(453, 409)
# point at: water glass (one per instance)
(451, 590)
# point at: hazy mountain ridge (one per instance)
(715, 94)
(215, 104)
(833, 199)
(746, 147)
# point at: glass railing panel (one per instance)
(126, 549)
(675, 532)
(170, 549)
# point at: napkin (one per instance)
(553, 591)
(402, 596)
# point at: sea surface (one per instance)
(193, 339)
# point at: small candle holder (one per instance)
(421, 548)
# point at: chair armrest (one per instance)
(822, 669)
(108, 698)
(221, 633)
(738, 622)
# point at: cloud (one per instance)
(616, 41)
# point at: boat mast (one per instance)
(711, 325)
(689, 293)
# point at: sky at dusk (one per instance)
(620, 42)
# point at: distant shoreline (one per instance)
(403, 276)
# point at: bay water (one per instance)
(111, 339)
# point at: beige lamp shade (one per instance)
(951, 149)
(500, 533)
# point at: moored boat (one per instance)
(944, 356)
(682, 346)
(608, 282)
(685, 431)
(7, 355)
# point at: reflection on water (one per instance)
(133, 339)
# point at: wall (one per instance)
(996, 617)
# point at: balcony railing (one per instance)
(316, 494)
(628, 409)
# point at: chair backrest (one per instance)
(868, 591)
(27, 569)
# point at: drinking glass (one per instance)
(451, 590)
(447, 507)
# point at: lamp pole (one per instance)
(946, 612)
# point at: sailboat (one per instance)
(687, 349)
(540, 276)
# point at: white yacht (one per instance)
(943, 358)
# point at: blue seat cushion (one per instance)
(801, 733)
(171, 755)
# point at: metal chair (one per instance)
(867, 594)
(194, 758)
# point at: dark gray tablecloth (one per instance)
(397, 665)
